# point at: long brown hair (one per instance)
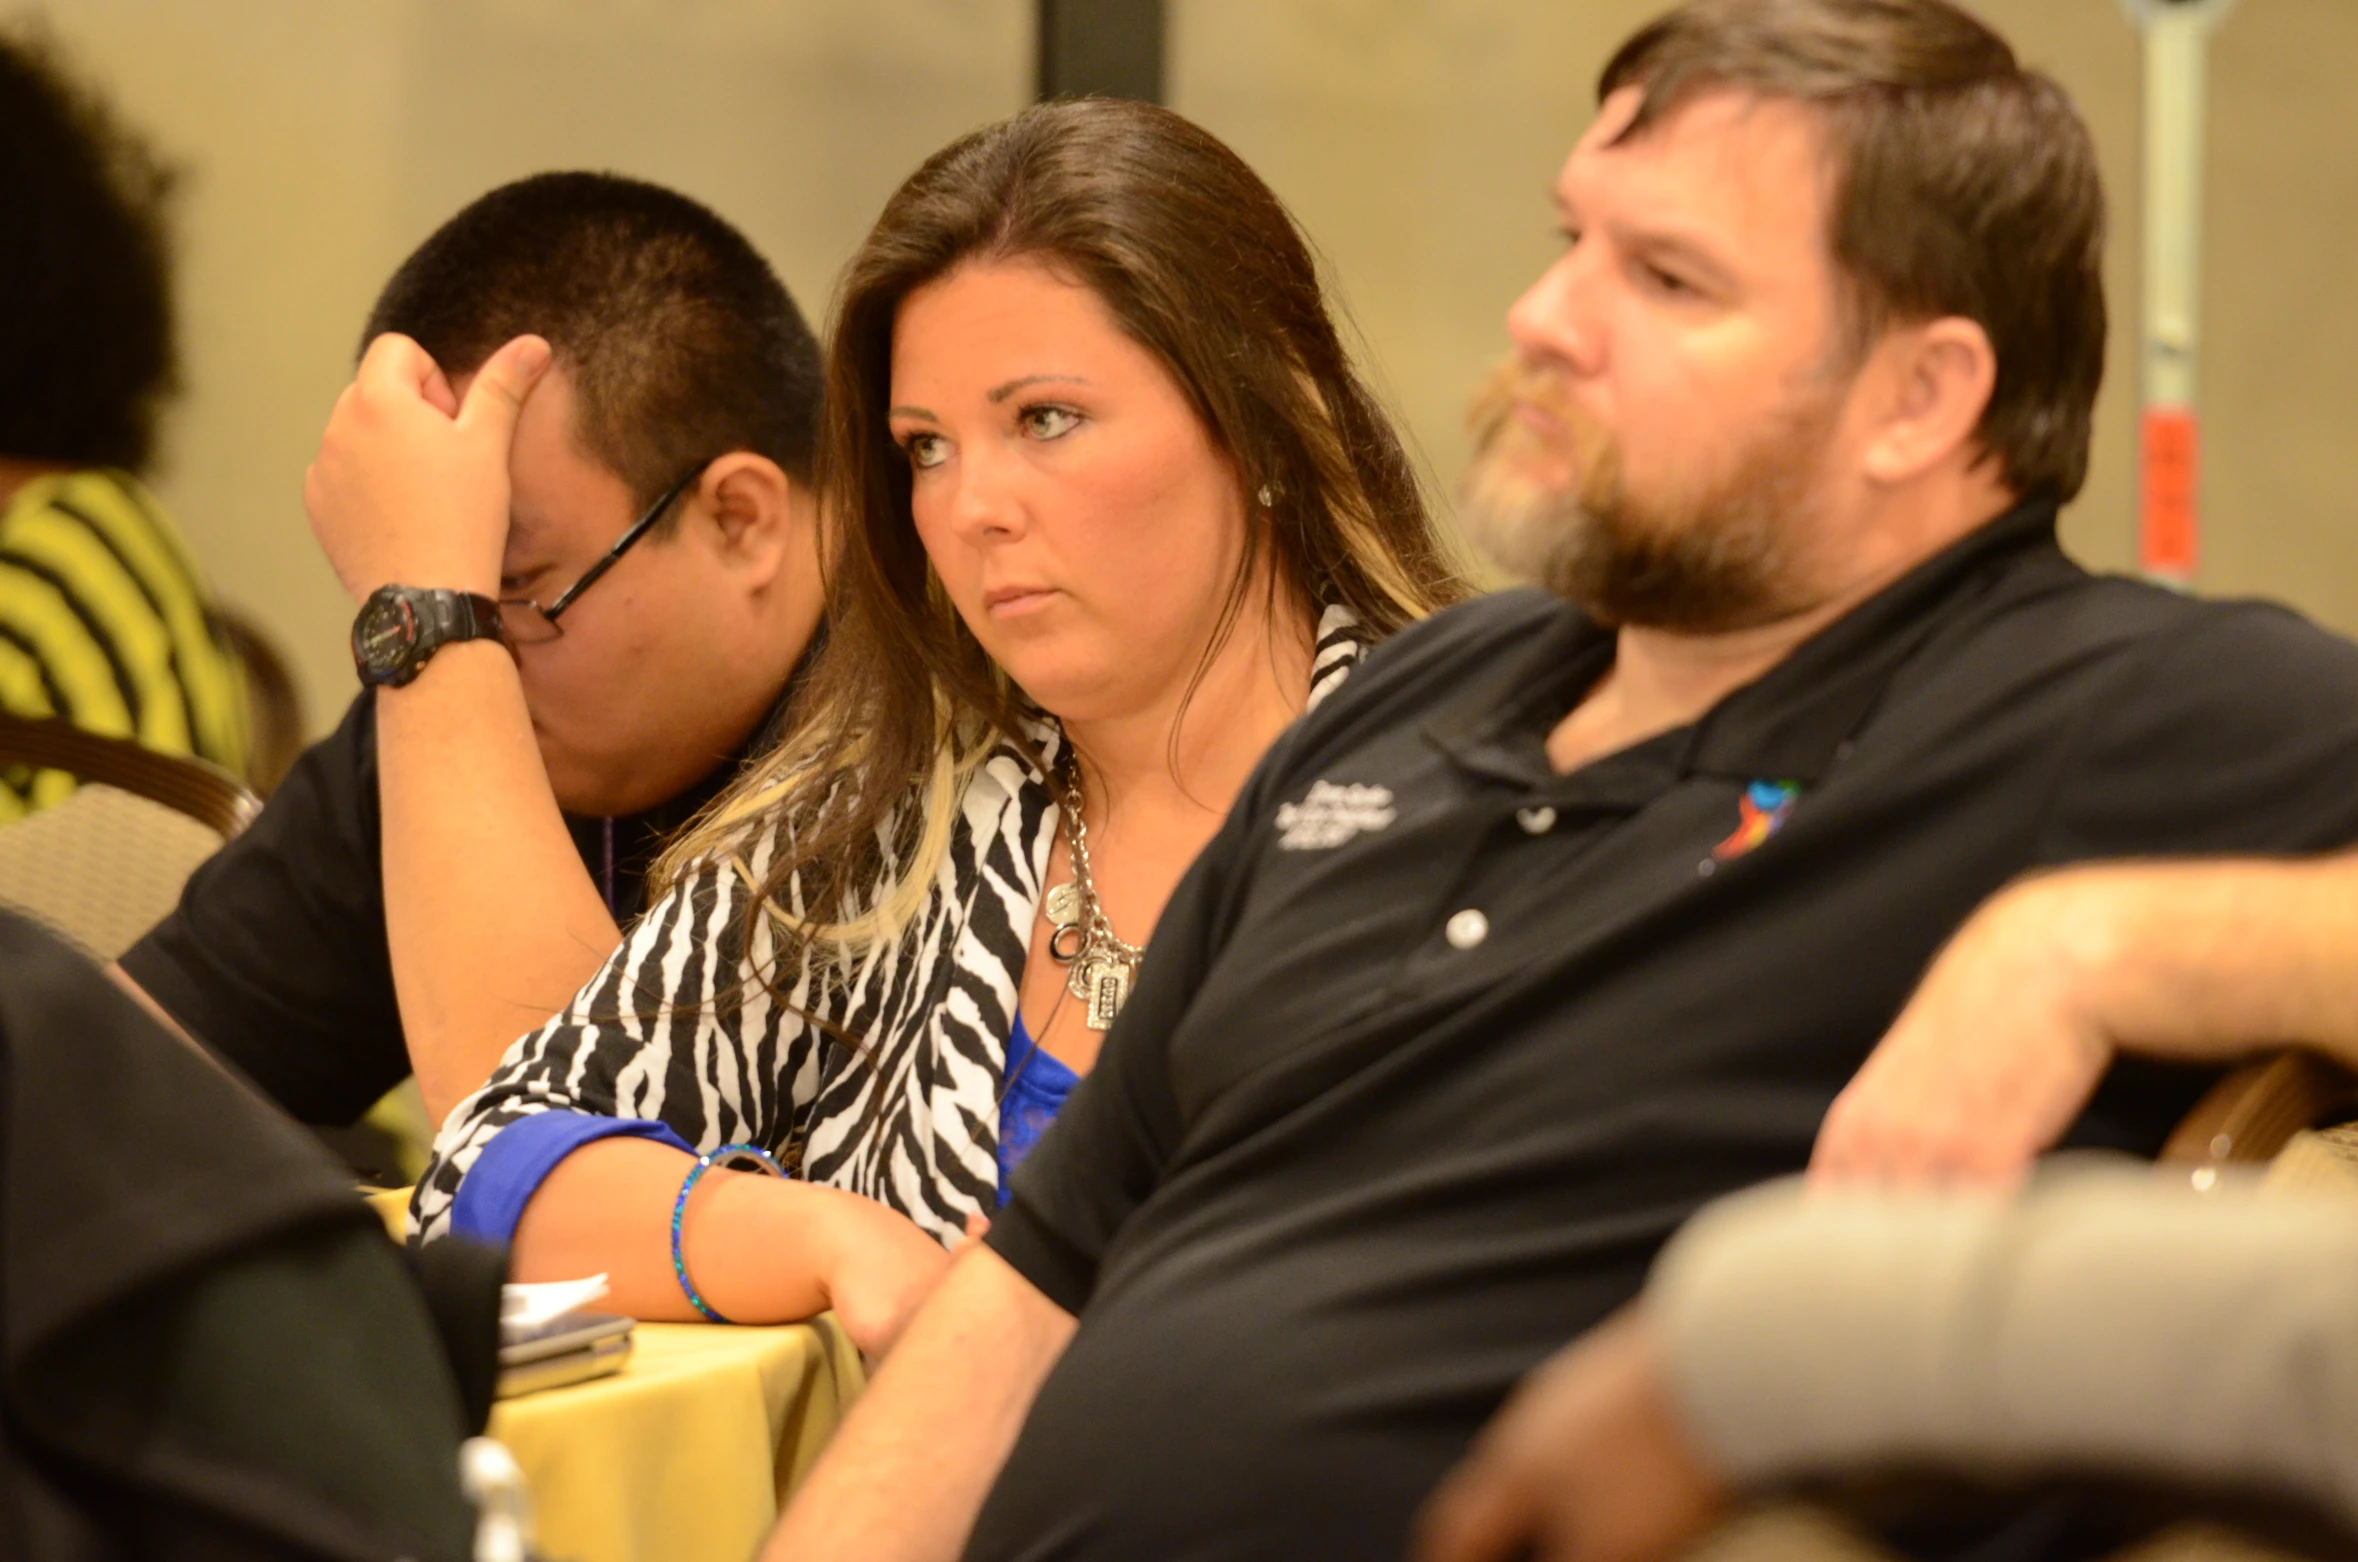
(1199, 263)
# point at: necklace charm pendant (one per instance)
(1102, 981)
(1082, 983)
(1081, 935)
(1109, 989)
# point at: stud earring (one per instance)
(1267, 496)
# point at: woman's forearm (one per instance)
(758, 1249)
(755, 1245)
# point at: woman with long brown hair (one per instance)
(1111, 508)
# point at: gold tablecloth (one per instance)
(689, 1450)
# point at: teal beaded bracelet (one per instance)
(679, 1209)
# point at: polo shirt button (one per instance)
(1536, 821)
(1468, 928)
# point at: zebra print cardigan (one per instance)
(677, 1029)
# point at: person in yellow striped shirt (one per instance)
(104, 617)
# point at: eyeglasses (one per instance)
(528, 623)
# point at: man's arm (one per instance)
(2222, 743)
(907, 1472)
(2022, 1013)
(2104, 1323)
(491, 919)
(2103, 1320)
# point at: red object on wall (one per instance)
(2167, 527)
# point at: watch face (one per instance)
(386, 631)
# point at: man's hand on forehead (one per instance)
(438, 393)
(410, 486)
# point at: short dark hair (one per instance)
(681, 341)
(1964, 185)
(86, 343)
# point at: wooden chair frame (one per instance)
(2252, 1113)
(273, 703)
(205, 792)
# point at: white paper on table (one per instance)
(530, 1306)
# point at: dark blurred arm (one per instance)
(2105, 1323)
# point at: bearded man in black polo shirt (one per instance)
(1578, 906)
(446, 870)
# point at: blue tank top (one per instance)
(1037, 1083)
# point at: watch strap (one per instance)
(458, 615)
(438, 618)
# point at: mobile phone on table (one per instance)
(569, 1348)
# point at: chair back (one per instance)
(2250, 1115)
(274, 705)
(105, 864)
(2294, 1112)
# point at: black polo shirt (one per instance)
(276, 956)
(1435, 1046)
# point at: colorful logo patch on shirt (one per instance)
(1760, 813)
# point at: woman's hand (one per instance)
(878, 1270)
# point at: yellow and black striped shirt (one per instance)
(104, 621)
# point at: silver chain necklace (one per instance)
(1083, 937)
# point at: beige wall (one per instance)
(1414, 137)
(325, 138)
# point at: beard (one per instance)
(1718, 555)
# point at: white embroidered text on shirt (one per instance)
(1331, 815)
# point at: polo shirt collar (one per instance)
(1788, 725)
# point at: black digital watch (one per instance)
(401, 627)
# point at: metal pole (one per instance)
(1110, 48)
(2177, 42)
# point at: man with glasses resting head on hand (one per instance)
(550, 687)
